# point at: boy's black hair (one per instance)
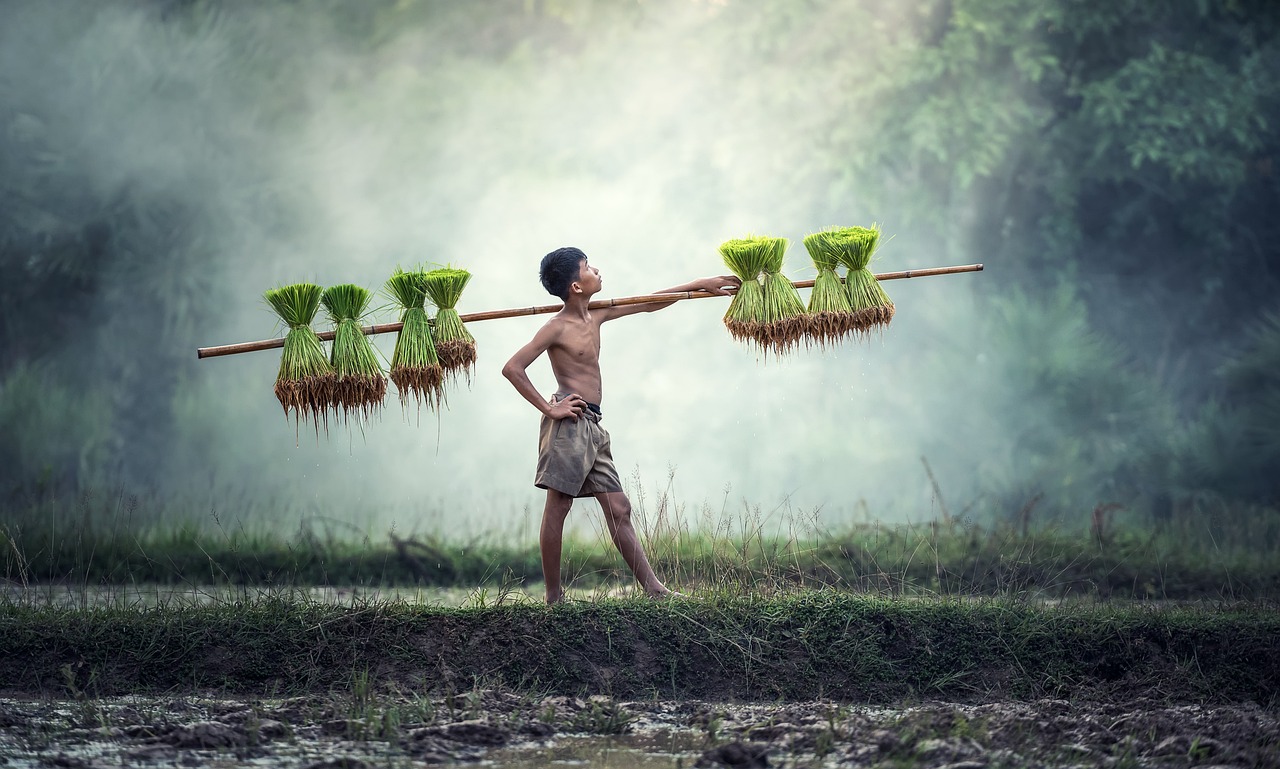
(560, 269)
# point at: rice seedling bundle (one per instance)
(868, 301)
(830, 316)
(415, 365)
(305, 381)
(784, 322)
(747, 258)
(454, 344)
(360, 385)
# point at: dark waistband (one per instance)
(590, 406)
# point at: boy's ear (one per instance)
(574, 287)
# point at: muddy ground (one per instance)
(361, 728)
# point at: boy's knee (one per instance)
(619, 510)
(558, 503)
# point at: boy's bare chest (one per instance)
(581, 344)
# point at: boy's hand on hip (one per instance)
(570, 406)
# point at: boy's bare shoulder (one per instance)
(551, 330)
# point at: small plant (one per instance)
(305, 382)
(415, 365)
(830, 316)
(747, 258)
(784, 322)
(603, 718)
(359, 384)
(454, 343)
(869, 305)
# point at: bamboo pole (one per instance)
(517, 312)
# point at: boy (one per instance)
(574, 458)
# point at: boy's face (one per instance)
(589, 281)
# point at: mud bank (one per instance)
(814, 645)
(360, 729)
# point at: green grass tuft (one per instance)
(360, 386)
(305, 381)
(869, 305)
(454, 343)
(415, 364)
(749, 258)
(830, 315)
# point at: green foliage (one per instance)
(305, 381)
(454, 343)
(415, 364)
(783, 320)
(360, 385)
(749, 258)
(828, 308)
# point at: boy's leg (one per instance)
(550, 541)
(617, 517)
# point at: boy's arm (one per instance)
(515, 372)
(719, 286)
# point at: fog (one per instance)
(299, 156)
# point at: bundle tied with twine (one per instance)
(305, 382)
(454, 344)
(747, 258)
(830, 316)
(785, 323)
(869, 304)
(360, 385)
(415, 365)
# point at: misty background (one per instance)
(163, 163)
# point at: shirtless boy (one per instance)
(574, 458)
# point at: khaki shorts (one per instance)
(575, 458)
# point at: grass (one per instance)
(306, 379)
(116, 541)
(870, 306)
(415, 366)
(360, 386)
(747, 258)
(786, 612)
(455, 345)
(829, 311)
(814, 644)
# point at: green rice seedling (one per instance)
(830, 316)
(868, 301)
(785, 322)
(305, 382)
(747, 258)
(415, 365)
(360, 384)
(454, 344)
